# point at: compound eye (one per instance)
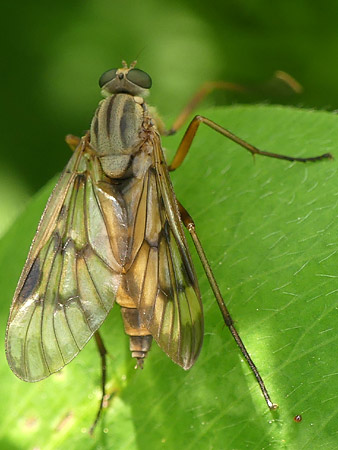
(140, 78)
(107, 76)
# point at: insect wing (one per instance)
(174, 317)
(68, 284)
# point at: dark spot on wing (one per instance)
(32, 281)
(186, 268)
(187, 273)
(80, 180)
(57, 242)
(168, 292)
(62, 212)
(166, 231)
(180, 287)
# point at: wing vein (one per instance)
(70, 329)
(88, 240)
(25, 342)
(104, 221)
(43, 303)
(137, 208)
(57, 302)
(78, 299)
(87, 234)
(144, 278)
(172, 267)
(95, 287)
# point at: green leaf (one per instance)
(14, 193)
(268, 228)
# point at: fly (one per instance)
(112, 231)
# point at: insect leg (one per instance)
(204, 90)
(103, 353)
(72, 141)
(193, 127)
(190, 225)
(209, 86)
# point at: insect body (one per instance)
(112, 231)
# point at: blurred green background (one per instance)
(53, 54)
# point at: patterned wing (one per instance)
(161, 279)
(69, 281)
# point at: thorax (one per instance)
(116, 132)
